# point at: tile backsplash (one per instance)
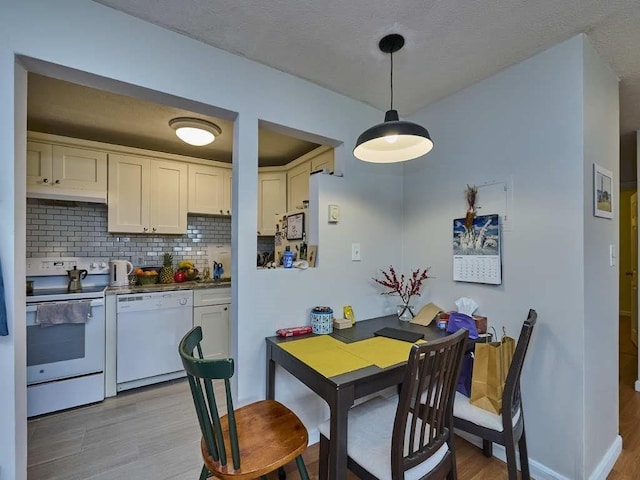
(78, 229)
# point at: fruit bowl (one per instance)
(147, 279)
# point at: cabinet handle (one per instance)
(225, 309)
(153, 229)
(221, 212)
(228, 212)
(45, 180)
(145, 229)
(57, 182)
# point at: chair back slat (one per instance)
(201, 373)
(424, 416)
(511, 400)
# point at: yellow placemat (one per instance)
(381, 351)
(325, 355)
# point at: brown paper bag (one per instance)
(490, 367)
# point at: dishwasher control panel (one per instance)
(138, 302)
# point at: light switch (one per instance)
(355, 252)
(612, 256)
(334, 213)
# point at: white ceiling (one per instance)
(449, 44)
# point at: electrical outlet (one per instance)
(355, 252)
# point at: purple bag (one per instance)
(459, 320)
(466, 370)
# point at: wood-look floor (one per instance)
(152, 433)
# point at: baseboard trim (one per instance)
(542, 472)
(537, 469)
(608, 461)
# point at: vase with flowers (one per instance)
(404, 287)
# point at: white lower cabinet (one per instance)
(211, 312)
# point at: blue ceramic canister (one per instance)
(322, 320)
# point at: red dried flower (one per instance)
(401, 287)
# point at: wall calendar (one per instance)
(476, 250)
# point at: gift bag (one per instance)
(490, 367)
(466, 371)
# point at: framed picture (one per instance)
(295, 226)
(602, 192)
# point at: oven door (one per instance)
(65, 350)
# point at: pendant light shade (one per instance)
(393, 140)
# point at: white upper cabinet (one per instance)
(272, 199)
(147, 195)
(298, 175)
(66, 173)
(209, 190)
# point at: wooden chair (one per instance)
(409, 437)
(262, 436)
(508, 428)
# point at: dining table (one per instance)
(343, 366)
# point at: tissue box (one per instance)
(481, 321)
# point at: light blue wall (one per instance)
(524, 127)
(601, 134)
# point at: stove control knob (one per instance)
(93, 265)
(183, 301)
(103, 264)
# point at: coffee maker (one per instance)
(75, 276)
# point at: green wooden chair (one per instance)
(261, 437)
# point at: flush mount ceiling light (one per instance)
(195, 131)
(393, 140)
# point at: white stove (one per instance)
(65, 334)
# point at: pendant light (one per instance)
(195, 131)
(393, 140)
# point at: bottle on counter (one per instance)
(303, 247)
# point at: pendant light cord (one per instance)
(391, 81)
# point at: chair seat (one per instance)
(270, 435)
(369, 435)
(463, 409)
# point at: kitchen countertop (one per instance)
(159, 287)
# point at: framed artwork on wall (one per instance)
(602, 192)
(295, 226)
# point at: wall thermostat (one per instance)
(334, 213)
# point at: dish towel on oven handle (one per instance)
(49, 314)
(4, 330)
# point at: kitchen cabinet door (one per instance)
(272, 199)
(39, 164)
(128, 199)
(66, 173)
(298, 185)
(209, 190)
(323, 160)
(214, 320)
(168, 197)
(227, 186)
(147, 195)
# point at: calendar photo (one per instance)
(476, 250)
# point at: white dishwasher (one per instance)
(150, 327)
